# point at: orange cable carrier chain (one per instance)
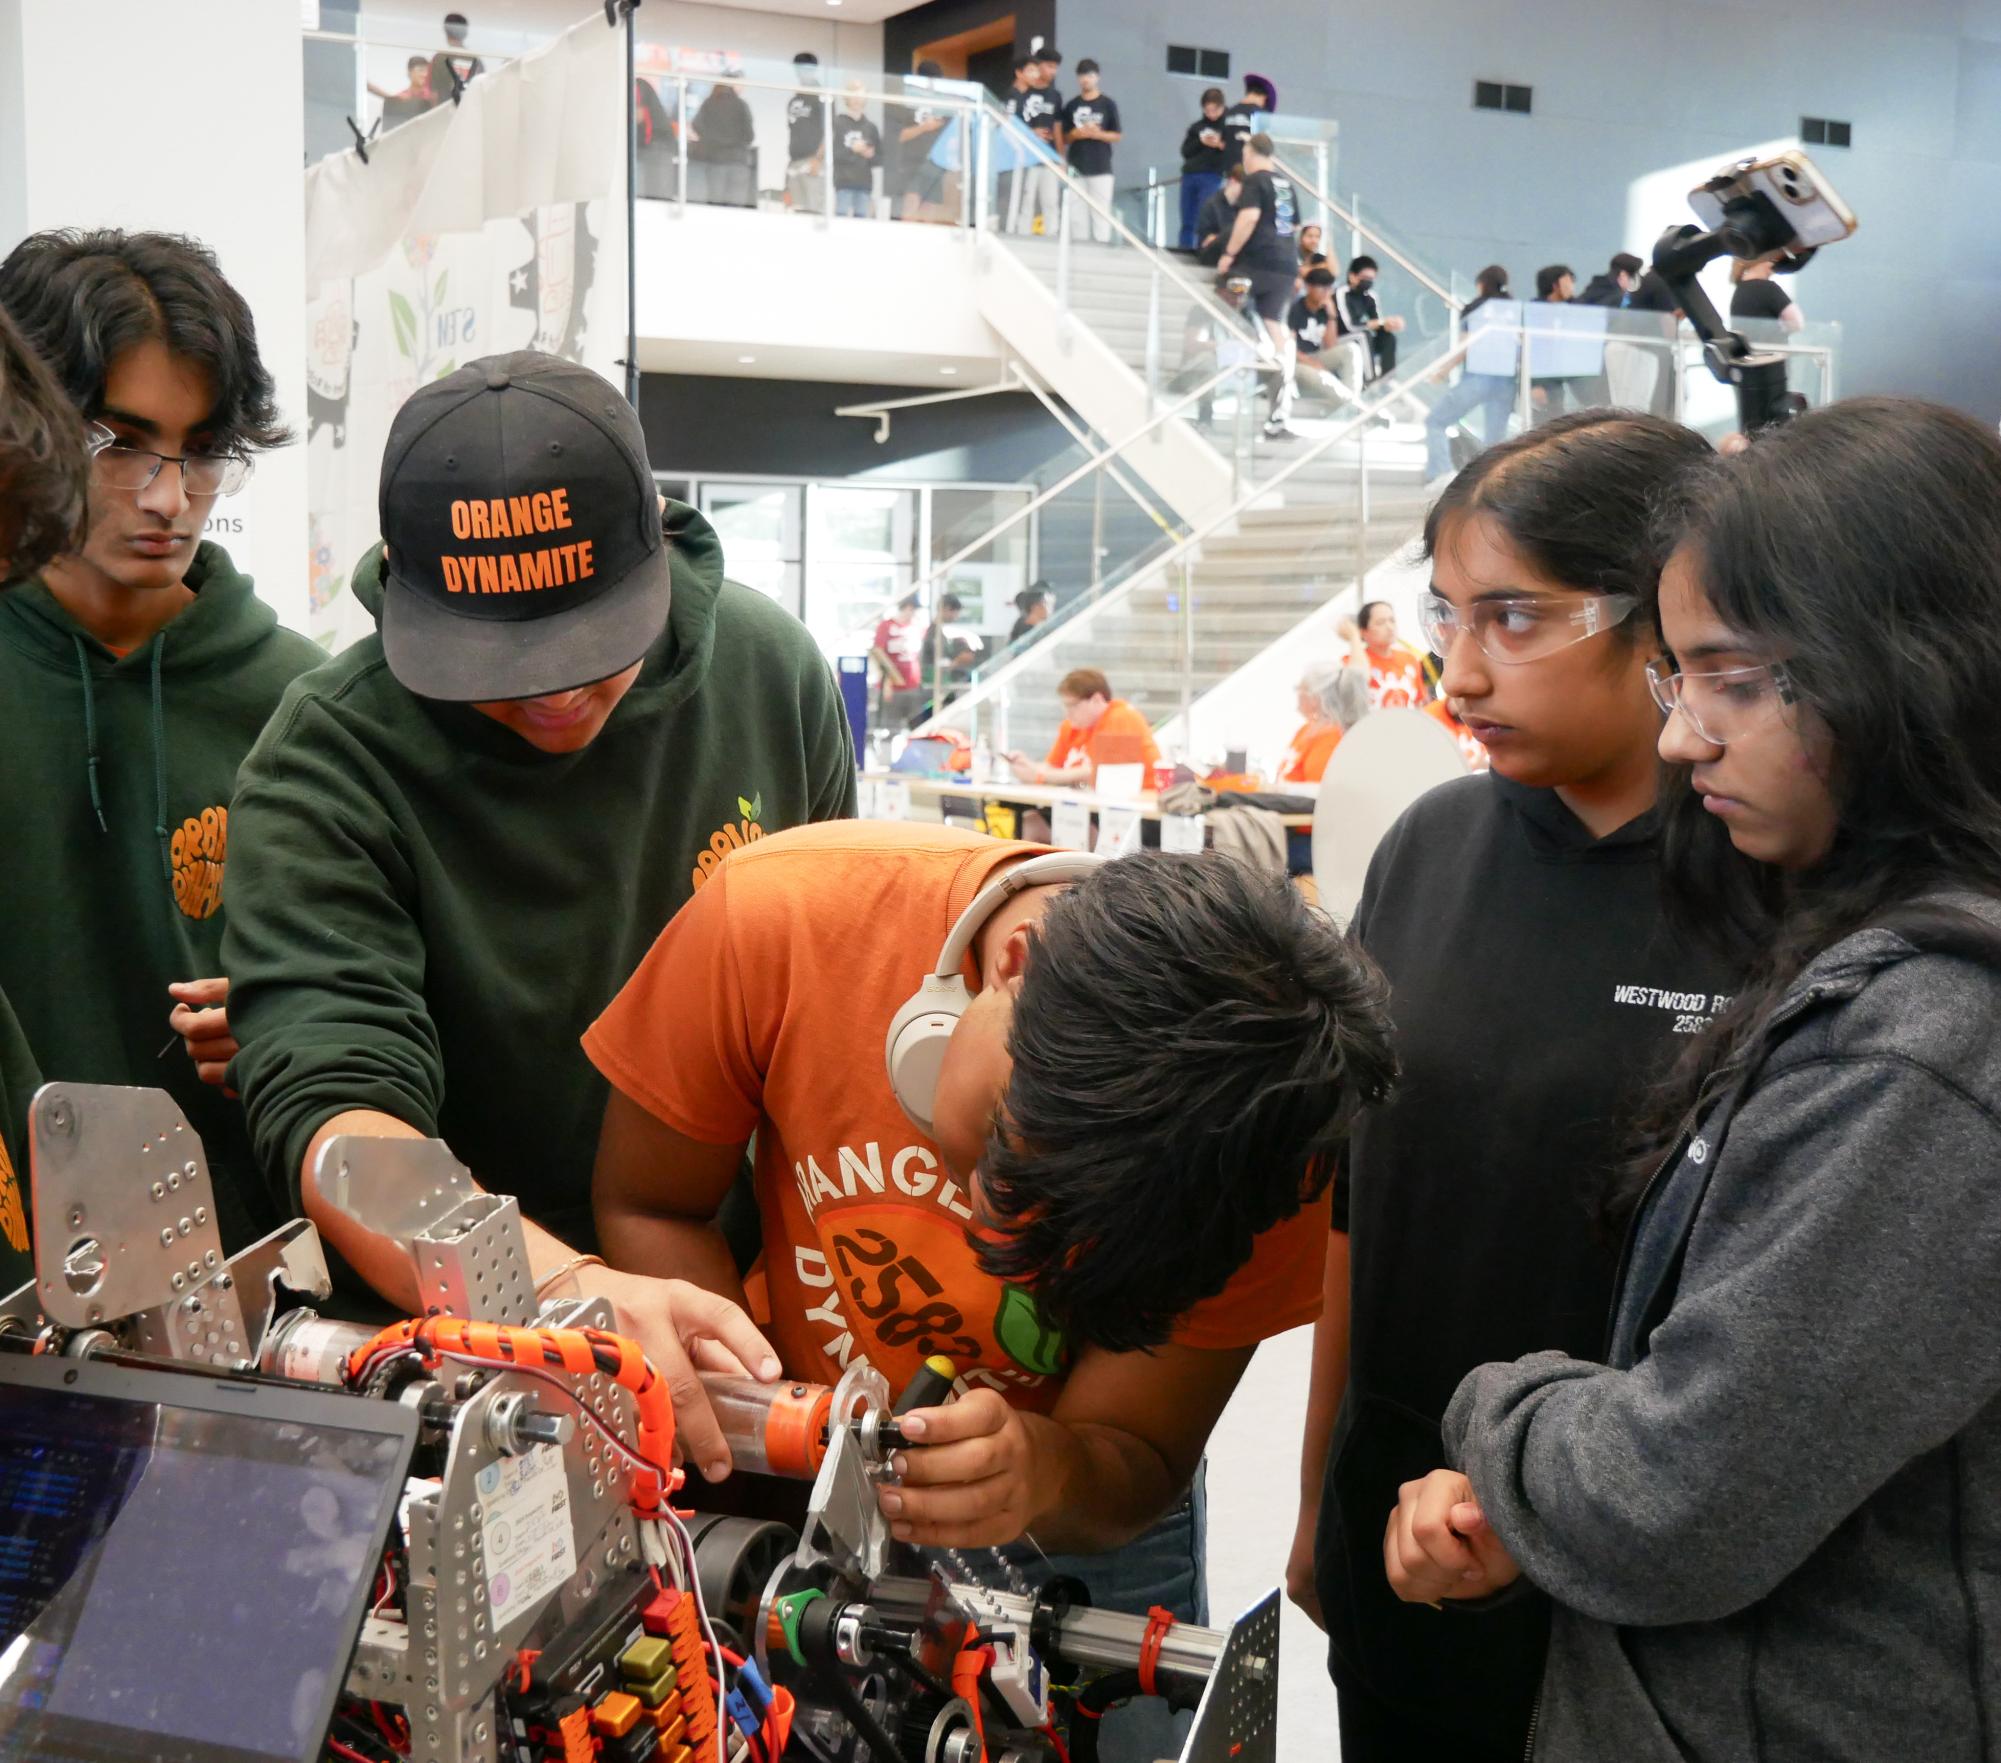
(579, 1352)
(691, 1663)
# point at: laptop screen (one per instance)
(184, 1561)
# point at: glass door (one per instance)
(861, 551)
(762, 530)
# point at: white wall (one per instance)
(1623, 90)
(193, 125)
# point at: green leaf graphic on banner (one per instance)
(438, 293)
(1025, 1337)
(445, 372)
(406, 324)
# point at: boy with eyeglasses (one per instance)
(137, 670)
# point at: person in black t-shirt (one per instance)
(1247, 116)
(806, 139)
(857, 146)
(1090, 126)
(1539, 993)
(1011, 185)
(1324, 361)
(1205, 157)
(1262, 240)
(1212, 225)
(911, 180)
(1754, 294)
(1042, 115)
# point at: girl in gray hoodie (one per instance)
(1771, 1519)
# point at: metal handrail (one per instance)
(1356, 225)
(982, 690)
(1097, 460)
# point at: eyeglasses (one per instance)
(1527, 629)
(1721, 706)
(132, 468)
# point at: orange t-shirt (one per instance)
(762, 1008)
(1471, 748)
(1311, 748)
(1120, 718)
(1398, 682)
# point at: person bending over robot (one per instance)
(44, 484)
(455, 841)
(1090, 1167)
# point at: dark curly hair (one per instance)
(84, 298)
(44, 463)
(1191, 1042)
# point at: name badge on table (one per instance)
(892, 800)
(1118, 829)
(1120, 783)
(1070, 825)
(1184, 832)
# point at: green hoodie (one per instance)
(426, 911)
(117, 786)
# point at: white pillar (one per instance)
(183, 118)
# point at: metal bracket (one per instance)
(844, 1526)
(468, 1247)
(291, 1257)
(125, 1218)
(1237, 1719)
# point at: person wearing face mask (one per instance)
(137, 670)
(1538, 995)
(454, 842)
(1761, 1506)
(1362, 318)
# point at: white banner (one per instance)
(493, 225)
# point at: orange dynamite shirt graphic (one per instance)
(731, 837)
(197, 852)
(13, 1214)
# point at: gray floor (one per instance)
(1253, 1503)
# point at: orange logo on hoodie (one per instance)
(727, 838)
(13, 1215)
(197, 851)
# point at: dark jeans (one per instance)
(1375, 1731)
(1196, 188)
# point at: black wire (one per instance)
(881, 1749)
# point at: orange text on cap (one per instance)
(512, 517)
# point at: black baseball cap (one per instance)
(523, 528)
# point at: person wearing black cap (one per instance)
(1247, 116)
(455, 841)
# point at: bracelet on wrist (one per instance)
(570, 1266)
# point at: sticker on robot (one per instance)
(527, 1538)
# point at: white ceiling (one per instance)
(547, 17)
(867, 367)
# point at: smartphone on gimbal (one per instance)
(1794, 186)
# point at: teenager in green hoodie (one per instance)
(137, 669)
(44, 473)
(455, 842)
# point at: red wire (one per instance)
(340, 1750)
(397, 1741)
(1062, 1750)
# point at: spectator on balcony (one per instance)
(1311, 256)
(1396, 673)
(1755, 295)
(1011, 185)
(1090, 127)
(857, 146)
(1492, 394)
(912, 179)
(1361, 317)
(1095, 725)
(1212, 226)
(898, 651)
(1247, 116)
(1333, 697)
(413, 100)
(1617, 286)
(1205, 159)
(806, 139)
(1042, 113)
(722, 150)
(452, 67)
(1262, 239)
(1555, 285)
(1325, 361)
(1032, 605)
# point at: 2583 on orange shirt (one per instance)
(762, 1008)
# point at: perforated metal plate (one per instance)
(1237, 1720)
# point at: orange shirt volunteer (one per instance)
(762, 1009)
(1306, 759)
(1396, 681)
(1120, 718)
